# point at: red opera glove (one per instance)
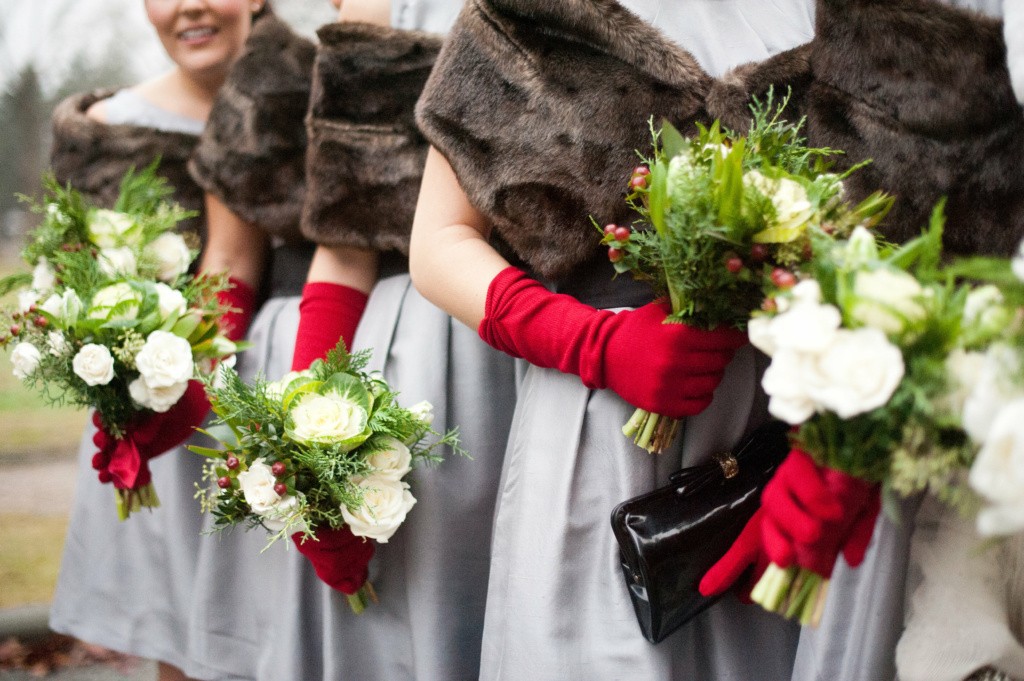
(235, 324)
(746, 552)
(812, 513)
(668, 369)
(340, 558)
(327, 312)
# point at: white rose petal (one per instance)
(392, 464)
(885, 298)
(94, 364)
(807, 291)
(53, 305)
(257, 485)
(998, 473)
(806, 327)
(43, 276)
(26, 299)
(984, 310)
(963, 369)
(107, 298)
(326, 418)
(783, 384)
(115, 262)
(424, 412)
(56, 344)
(70, 307)
(108, 228)
(385, 506)
(760, 334)
(157, 399)
(857, 374)
(25, 358)
(219, 381)
(171, 254)
(170, 300)
(994, 388)
(165, 360)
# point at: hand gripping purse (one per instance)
(670, 537)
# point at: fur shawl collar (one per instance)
(251, 155)
(365, 157)
(94, 156)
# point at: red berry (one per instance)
(280, 489)
(769, 305)
(100, 460)
(16, 316)
(622, 234)
(734, 265)
(783, 278)
(3, 339)
(67, 248)
(224, 482)
(610, 229)
(231, 462)
(638, 182)
(278, 469)
(808, 251)
(92, 252)
(15, 329)
(33, 308)
(105, 476)
(641, 170)
(759, 252)
(614, 254)
(40, 321)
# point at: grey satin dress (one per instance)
(128, 585)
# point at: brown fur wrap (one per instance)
(251, 154)
(365, 158)
(95, 156)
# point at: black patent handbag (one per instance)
(670, 537)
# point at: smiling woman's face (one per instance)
(202, 37)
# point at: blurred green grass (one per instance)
(30, 558)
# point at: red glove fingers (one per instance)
(860, 536)
(669, 369)
(745, 552)
(327, 312)
(341, 559)
(242, 298)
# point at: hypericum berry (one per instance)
(638, 182)
(40, 321)
(105, 476)
(759, 252)
(3, 339)
(769, 305)
(100, 460)
(808, 251)
(92, 252)
(622, 234)
(33, 308)
(614, 254)
(641, 170)
(278, 469)
(254, 427)
(734, 265)
(280, 489)
(15, 329)
(231, 462)
(67, 248)
(224, 482)
(610, 229)
(783, 278)
(16, 316)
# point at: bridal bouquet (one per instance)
(110, 318)
(328, 447)
(895, 370)
(727, 220)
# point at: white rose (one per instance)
(108, 228)
(994, 388)
(858, 374)
(963, 369)
(257, 485)
(170, 300)
(998, 473)
(43, 276)
(886, 299)
(57, 345)
(860, 249)
(165, 360)
(107, 298)
(806, 327)
(806, 291)
(25, 358)
(118, 261)
(53, 305)
(391, 464)
(984, 309)
(424, 412)
(326, 418)
(94, 364)
(157, 399)
(784, 385)
(171, 254)
(759, 330)
(385, 505)
(26, 299)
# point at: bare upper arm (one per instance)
(98, 111)
(368, 11)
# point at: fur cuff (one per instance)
(365, 157)
(94, 156)
(540, 108)
(251, 155)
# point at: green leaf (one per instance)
(120, 324)
(14, 282)
(658, 195)
(672, 141)
(298, 387)
(349, 388)
(207, 452)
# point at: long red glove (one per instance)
(327, 312)
(126, 462)
(340, 558)
(668, 369)
(808, 514)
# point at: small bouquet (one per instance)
(110, 318)
(895, 370)
(328, 447)
(726, 220)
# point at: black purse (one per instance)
(670, 537)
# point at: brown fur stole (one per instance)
(251, 155)
(94, 156)
(365, 157)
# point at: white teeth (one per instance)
(193, 33)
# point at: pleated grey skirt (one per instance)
(557, 604)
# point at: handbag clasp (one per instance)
(730, 466)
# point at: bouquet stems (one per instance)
(361, 598)
(793, 592)
(651, 431)
(134, 500)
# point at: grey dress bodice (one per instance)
(432, 16)
(127, 107)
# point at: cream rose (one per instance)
(170, 301)
(393, 463)
(886, 299)
(107, 298)
(806, 327)
(783, 382)
(157, 399)
(998, 473)
(56, 344)
(257, 485)
(52, 306)
(25, 357)
(94, 364)
(759, 330)
(424, 412)
(385, 506)
(119, 261)
(108, 228)
(171, 255)
(43, 276)
(326, 418)
(165, 360)
(994, 388)
(857, 374)
(963, 369)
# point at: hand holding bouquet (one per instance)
(110, 319)
(322, 452)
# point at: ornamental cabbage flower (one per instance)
(334, 413)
